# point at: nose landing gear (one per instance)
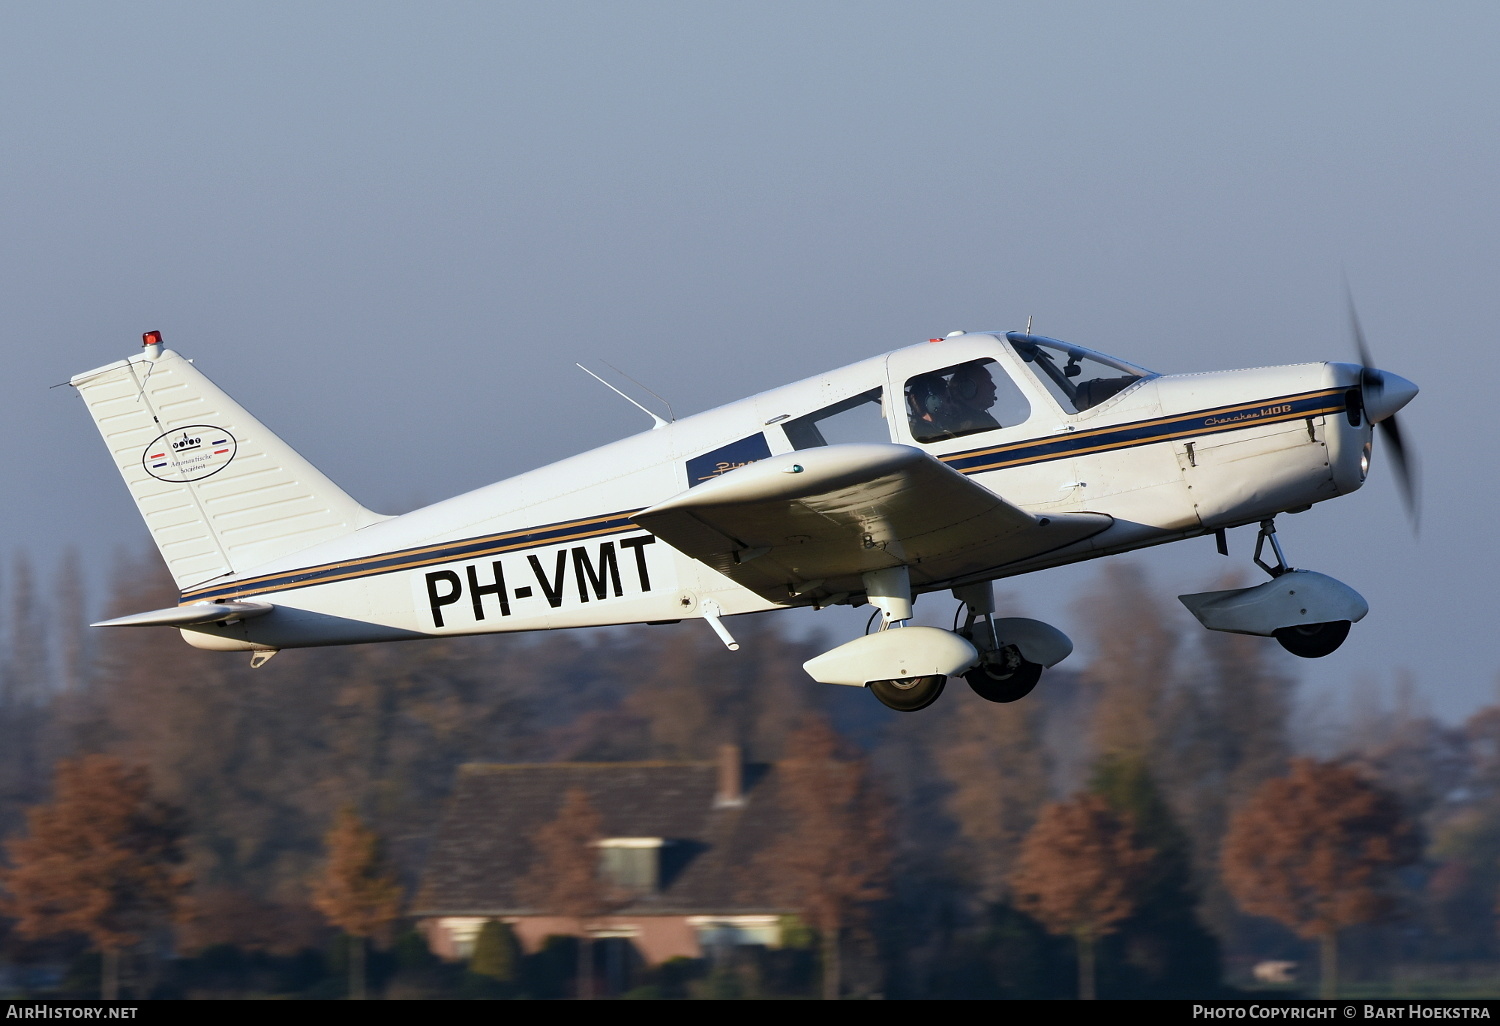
(1313, 640)
(1309, 614)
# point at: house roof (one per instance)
(708, 865)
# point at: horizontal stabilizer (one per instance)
(195, 613)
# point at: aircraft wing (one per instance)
(812, 521)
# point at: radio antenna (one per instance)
(657, 421)
(672, 417)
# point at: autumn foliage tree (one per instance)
(1078, 874)
(1313, 851)
(564, 878)
(834, 857)
(103, 860)
(358, 892)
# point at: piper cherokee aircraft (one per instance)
(943, 466)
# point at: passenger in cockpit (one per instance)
(926, 397)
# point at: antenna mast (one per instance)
(657, 422)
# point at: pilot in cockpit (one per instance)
(971, 393)
(952, 402)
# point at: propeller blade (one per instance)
(1372, 384)
(1405, 465)
(1369, 377)
(1358, 332)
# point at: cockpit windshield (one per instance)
(1078, 378)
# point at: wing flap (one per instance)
(819, 518)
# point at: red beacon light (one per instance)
(151, 340)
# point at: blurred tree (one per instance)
(1465, 832)
(418, 972)
(74, 641)
(263, 760)
(103, 860)
(996, 767)
(687, 695)
(24, 694)
(1079, 874)
(497, 956)
(1226, 733)
(358, 892)
(564, 877)
(1163, 943)
(834, 856)
(1135, 643)
(1313, 849)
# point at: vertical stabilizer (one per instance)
(219, 492)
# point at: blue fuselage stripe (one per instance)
(1201, 422)
(972, 461)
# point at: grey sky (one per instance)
(389, 230)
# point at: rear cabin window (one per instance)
(963, 400)
(859, 418)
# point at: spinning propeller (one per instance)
(1382, 394)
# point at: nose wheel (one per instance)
(1308, 640)
(1313, 640)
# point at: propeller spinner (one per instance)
(1382, 394)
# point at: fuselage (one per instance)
(1165, 456)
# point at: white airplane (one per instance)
(938, 467)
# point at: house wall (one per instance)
(657, 938)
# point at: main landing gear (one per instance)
(1309, 614)
(1003, 673)
(906, 667)
(890, 592)
(908, 694)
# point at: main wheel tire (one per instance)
(1313, 640)
(908, 694)
(1005, 677)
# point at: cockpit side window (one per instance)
(963, 400)
(1079, 379)
(859, 418)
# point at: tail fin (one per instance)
(219, 492)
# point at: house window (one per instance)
(736, 931)
(462, 931)
(632, 863)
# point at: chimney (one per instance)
(731, 793)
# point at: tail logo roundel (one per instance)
(189, 453)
